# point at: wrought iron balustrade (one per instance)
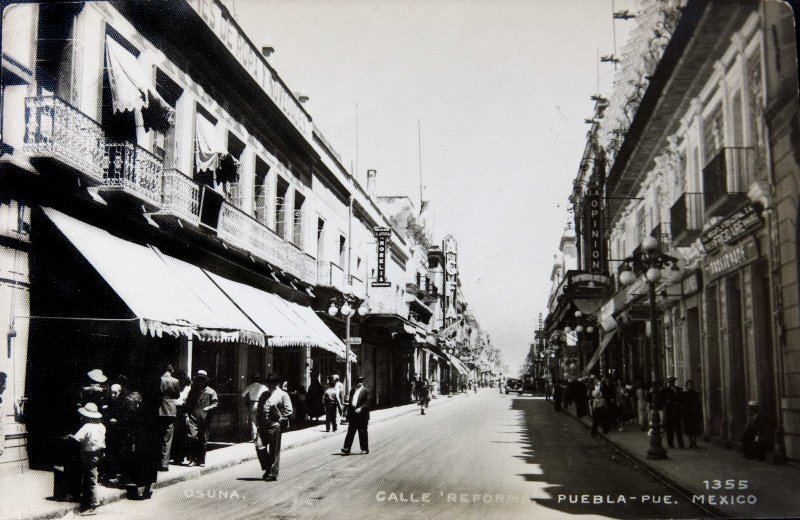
(134, 169)
(243, 231)
(55, 129)
(726, 178)
(180, 196)
(687, 218)
(331, 275)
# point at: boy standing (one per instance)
(92, 438)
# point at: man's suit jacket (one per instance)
(364, 401)
(169, 390)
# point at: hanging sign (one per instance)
(382, 234)
(593, 231)
(739, 224)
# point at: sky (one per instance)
(489, 96)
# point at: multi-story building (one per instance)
(701, 157)
(166, 198)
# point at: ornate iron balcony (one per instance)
(134, 170)
(687, 219)
(725, 180)
(243, 231)
(56, 130)
(180, 196)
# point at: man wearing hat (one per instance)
(94, 390)
(92, 438)
(274, 409)
(201, 401)
(168, 391)
(673, 413)
(757, 436)
(358, 417)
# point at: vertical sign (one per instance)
(593, 231)
(382, 234)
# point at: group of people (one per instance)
(128, 434)
(615, 405)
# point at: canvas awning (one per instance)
(128, 90)
(167, 295)
(599, 352)
(459, 365)
(285, 323)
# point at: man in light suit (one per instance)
(358, 417)
(169, 390)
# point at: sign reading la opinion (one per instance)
(593, 230)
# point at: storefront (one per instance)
(738, 350)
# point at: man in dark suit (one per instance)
(358, 417)
(169, 390)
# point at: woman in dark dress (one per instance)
(692, 414)
(314, 406)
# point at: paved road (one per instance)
(482, 456)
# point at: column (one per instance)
(272, 194)
(289, 214)
(88, 51)
(184, 134)
(247, 176)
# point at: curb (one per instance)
(658, 475)
(168, 481)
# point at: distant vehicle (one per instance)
(525, 385)
(513, 385)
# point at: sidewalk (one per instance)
(767, 490)
(24, 495)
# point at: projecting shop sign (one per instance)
(736, 226)
(593, 222)
(381, 234)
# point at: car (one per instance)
(513, 385)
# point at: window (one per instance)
(297, 223)
(260, 191)
(235, 149)
(280, 207)
(119, 103)
(712, 133)
(320, 238)
(164, 137)
(342, 250)
(641, 225)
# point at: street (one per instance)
(482, 455)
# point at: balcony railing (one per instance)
(180, 196)
(687, 219)
(245, 232)
(725, 179)
(330, 274)
(134, 170)
(295, 260)
(57, 130)
(310, 269)
(359, 287)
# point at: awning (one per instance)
(209, 149)
(167, 295)
(286, 324)
(599, 352)
(459, 365)
(434, 353)
(128, 91)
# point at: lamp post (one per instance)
(650, 261)
(344, 305)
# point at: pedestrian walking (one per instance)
(673, 403)
(434, 389)
(201, 402)
(423, 391)
(339, 388)
(274, 410)
(599, 410)
(251, 395)
(692, 414)
(358, 417)
(169, 389)
(333, 405)
(557, 395)
(92, 439)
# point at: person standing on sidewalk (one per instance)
(274, 410)
(333, 405)
(673, 402)
(168, 391)
(201, 402)
(692, 413)
(92, 438)
(251, 395)
(358, 417)
(599, 412)
(640, 392)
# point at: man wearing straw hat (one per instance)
(92, 438)
(201, 401)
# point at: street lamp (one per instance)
(344, 305)
(650, 261)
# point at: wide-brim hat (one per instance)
(202, 373)
(360, 379)
(90, 410)
(97, 375)
(672, 378)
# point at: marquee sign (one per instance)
(733, 228)
(381, 234)
(730, 259)
(593, 231)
